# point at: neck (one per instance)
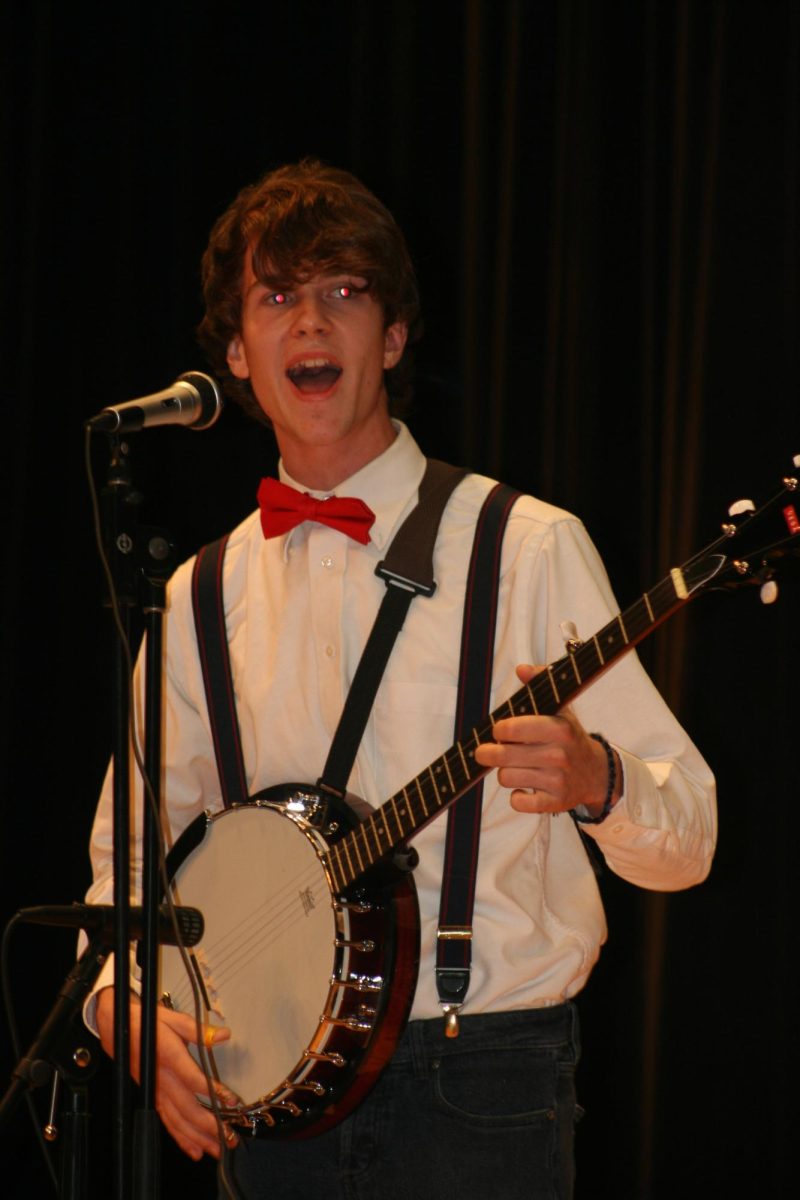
(321, 468)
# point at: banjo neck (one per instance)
(452, 774)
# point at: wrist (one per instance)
(594, 814)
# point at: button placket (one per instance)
(326, 562)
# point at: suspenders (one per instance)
(407, 571)
(454, 935)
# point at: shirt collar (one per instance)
(388, 484)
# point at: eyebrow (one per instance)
(283, 285)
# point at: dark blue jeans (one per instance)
(488, 1114)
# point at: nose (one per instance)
(309, 317)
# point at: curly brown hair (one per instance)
(304, 219)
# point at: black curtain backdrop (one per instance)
(602, 200)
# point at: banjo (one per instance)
(311, 943)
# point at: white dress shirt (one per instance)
(299, 609)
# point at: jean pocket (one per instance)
(497, 1088)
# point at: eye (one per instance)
(348, 289)
(277, 298)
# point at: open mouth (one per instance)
(312, 376)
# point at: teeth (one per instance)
(308, 364)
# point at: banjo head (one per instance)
(314, 985)
(268, 954)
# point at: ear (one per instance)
(237, 359)
(394, 344)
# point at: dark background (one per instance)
(602, 200)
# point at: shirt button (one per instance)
(330, 651)
(327, 561)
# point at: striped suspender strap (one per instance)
(454, 937)
(212, 643)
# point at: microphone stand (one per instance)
(56, 1044)
(146, 1125)
(136, 554)
(120, 524)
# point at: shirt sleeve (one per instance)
(662, 832)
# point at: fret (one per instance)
(350, 844)
(460, 768)
(599, 651)
(439, 792)
(545, 703)
(646, 599)
(578, 679)
(397, 820)
(341, 866)
(532, 697)
(640, 619)
(355, 837)
(418, 785)
(343, 846)
(553, 685)
(407, 816)
(390, 841)
(449, 776)
(463, 760)
(565, 678)
(587, 661)
(621, 624)
(408, 801)
(373, 826)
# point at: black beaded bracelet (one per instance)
(583, 816)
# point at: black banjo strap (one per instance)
(454, 935)
(407, 571)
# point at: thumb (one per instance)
(526, 672)
(186, 1027)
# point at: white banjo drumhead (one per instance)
(267, 954)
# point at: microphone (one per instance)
(99, 919)
(193, 400)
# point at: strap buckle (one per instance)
(393, 579)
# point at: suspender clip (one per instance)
(451, 1012)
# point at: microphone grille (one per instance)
(191, 924)
(210, 398)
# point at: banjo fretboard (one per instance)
(453, 773)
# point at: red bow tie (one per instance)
(283, 507)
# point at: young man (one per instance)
(311, 302)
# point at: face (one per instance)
(315, 356)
